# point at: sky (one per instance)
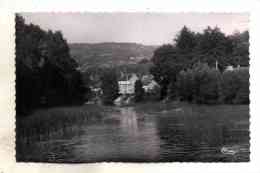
(144, 28)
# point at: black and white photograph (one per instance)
(139, 87)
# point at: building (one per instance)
(128, 86)
(229, 68)
(146, 79)
(151, 86)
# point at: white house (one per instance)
(229, 68)
(128, 86)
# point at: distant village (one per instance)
(127, 88)
(127, 82)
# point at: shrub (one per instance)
(206, 85)
(235, 86)
(209, 88)
(201, 84)
(184, 86)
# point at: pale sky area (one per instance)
(145, 28)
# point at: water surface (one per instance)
(130, 134)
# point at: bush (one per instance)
(235, 86)
(184, 86)
(206, 85)
(201, 84)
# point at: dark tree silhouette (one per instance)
(139, 91)
(109, 86)
(46, 75)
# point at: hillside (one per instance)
(102, 54)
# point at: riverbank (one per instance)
(47, 123)
(43, 124)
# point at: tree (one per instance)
(109, 86)
(139, 91)
(242, 96)
(184, 86)
(191, 48)
(169, 60)
(27, 72)
(186, 40)
(200, 84)
(235, 86)
(45, 72)
(240, 48)
(166, 66)
(213, 46)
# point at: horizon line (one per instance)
(115, 42)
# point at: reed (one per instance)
(53, 122)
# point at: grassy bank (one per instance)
(191, 109)
(49, 123)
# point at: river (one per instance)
(131, 136)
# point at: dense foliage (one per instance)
(109, 86)
(235, 86)
(202, 84)
(139, 91)
(46, 75)
(211, 46)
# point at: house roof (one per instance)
(124, 82)
(131, 80)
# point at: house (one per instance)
(128, 86)
(229, 68)
(151, 86)
(146, 79)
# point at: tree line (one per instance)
(206, 85)
(174, 61)
(46, 75)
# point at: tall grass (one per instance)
(50, 123)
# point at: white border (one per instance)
(7, 77)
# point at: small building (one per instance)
(146, 79)
(128, 86)
(151, 86)
(229, 68)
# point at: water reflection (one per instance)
(126, 139)
(128, 121)
(188, 140)
(200, 138)
(127, 135)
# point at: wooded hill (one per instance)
(107, 54)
